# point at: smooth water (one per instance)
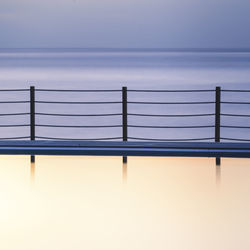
(89, 68)
(136, 69)
(96, 203)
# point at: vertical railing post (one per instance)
(32, 117)
(124, 118)
(217, 113)
(124, 114)
(217, 119)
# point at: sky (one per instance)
(124, 23)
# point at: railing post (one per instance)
(124, 114)
(124, 118)
(32, 117)
(217, 113)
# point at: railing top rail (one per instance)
(129, 90)
(170, 103)
(171, 90)
(79, 90)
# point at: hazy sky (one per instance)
(125, 23)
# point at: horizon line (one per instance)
(135, 48)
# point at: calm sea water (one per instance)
(82, 68)
(136, 69)
(96, 203)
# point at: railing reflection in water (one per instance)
(125, 170)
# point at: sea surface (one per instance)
(113, 68)
(97, 203)
(110, 69)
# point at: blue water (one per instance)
(136, 69)
(83, 68)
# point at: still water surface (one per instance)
(99, 203)
(112, 69)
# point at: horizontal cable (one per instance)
(234, 139)
(188, 115)
(15, 138)
(225, 126)
(73, 139)
(79, 90)
(17, 125)
(171, 102)
(235, 102)
(5, 102)
(235, 115)
(75, 126)
(13, 90)
(13, 114)
(51, 102)
(140, 126)
(50, 114)
(175, 90)
(235, 90)
(151, 139)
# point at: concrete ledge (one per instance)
(192, 149)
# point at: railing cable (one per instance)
(141, 126)
(159, 115)
(77, 139)
(76, 126)
(54, 102)
(8, 102)
(15, 138)
(170, 103)
(53, 114)
(14, 125)
(14, 114)
(78, 90)
(153, 139)
(236, 115)
(14, 90)
(235, 139)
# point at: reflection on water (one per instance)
(91, 203)
(124, 171)
(218, 171)
(32, 172)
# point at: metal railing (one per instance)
(125, 113)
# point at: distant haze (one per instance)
(124, 23)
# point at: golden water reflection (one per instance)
(103, 203)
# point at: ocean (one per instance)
(137, 70)
(113, 68)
